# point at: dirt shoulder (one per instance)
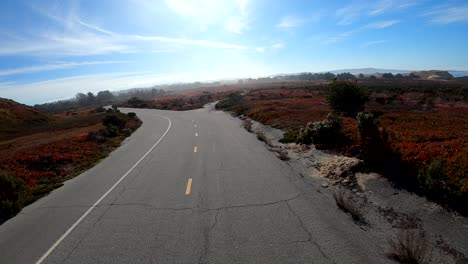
(387, 212)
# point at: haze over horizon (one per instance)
(54, 49)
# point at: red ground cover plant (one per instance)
(30, 166)
(419, 131)
(59, 159)
(422, 137)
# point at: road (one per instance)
(187, 187)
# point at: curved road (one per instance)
(187, 187)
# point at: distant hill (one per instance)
(434, 75)
(369, 71)
(16, 118)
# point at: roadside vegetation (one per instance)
(50, 152)
(345, 202)
(412, 131)
(410, 247)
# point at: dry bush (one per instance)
(410, 247)
(347, 205)
(247, 124)
(262, 137)
(283, 155)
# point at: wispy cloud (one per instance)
(448, 15)
(288, 22)
(190, 42)
(54, 66)
(383, 24)
(338, 37)
(83, 38)
(381, 7)
(347, 15)
(278, 45)
(373, 43)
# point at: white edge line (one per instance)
(55, 245)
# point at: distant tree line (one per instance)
(102, 98)
(327, 76)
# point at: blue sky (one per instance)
(51, 50)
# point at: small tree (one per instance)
(346, 97)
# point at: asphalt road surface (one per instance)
(187, 187)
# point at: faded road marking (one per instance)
(195, 149)
(189, 186)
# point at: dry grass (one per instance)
(247, 124)
(410, 247)
(283, 155)
(347, 205)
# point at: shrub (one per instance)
(114, 120)
(410, 247)
(111, 131)
(231, 100)
(96, 136)
(261, 136)
(432, 178)
(347, 205)
(327, 132)
(376, 150)
(290, 137)
(136, 102)
(100, 109)
(247, 124)
(132, 115)
(368, 128)
(346, 97)
(14, 194)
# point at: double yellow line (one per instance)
(189, 181)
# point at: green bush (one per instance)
(100, 109)
(114, 120)
(376, 150)
(346, 97)
(290, 137)
(14, 194)
(111, 131)
(432, 177)
(132, 115)
(229, 101)
(368, 128)
(328, 132)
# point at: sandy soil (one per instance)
(388, 211)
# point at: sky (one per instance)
(51, 50)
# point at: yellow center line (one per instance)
(189, 186)
(195, 149)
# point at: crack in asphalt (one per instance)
(85, 235)
(207, 231)
(206, 236)
(198, 209)
(309, 240)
